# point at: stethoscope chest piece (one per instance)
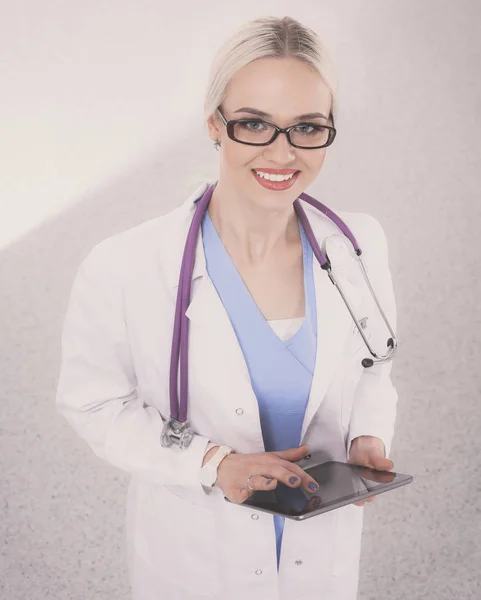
(176, 433)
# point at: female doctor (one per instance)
(274, 369)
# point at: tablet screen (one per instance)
(339, 484)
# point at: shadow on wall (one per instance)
(52, 483)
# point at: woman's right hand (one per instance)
(233, 470)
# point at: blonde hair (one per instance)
(261, 38)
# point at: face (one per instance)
(284, 88)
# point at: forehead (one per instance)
(282, 87)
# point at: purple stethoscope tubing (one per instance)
(178, 425)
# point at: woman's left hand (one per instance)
(369, 451)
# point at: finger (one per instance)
(361, 461)
(249, 486)
(269, 483)
(287, 476)
(240, 496)
(261, 482)
(381, 463)
(302, 478)
(289, 452)
(310, 485)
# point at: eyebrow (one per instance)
(261, 113)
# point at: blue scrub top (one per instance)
(280, 371)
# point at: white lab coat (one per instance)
(184, 544)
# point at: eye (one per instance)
(247, 125)
(314, 128)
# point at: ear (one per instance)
(214, 129)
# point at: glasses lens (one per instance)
(253, 132)
(309, 134)
(257, 132)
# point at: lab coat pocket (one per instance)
(178, 538)
(347, 549)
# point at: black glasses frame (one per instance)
(230, 131)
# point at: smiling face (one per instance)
(284, 88)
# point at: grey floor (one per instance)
(62, 525)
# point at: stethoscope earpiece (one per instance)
(368, 362)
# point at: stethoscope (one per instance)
(176, 430)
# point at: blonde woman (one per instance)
(274, 368)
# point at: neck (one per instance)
(255, 233)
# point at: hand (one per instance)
(233, 470)
(369, 451)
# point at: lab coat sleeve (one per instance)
(97, 387)
(375, 398)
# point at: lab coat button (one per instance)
(240, 411)
(259, 572)
(254, 516)
(298, 562)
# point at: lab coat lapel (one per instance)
(334, 323)
(220, 360)
(215, 355)
(333, 326)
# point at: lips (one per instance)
(276, 185)
(277, 171)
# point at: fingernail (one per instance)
(316, 503)
(293, 479)
(312, 486)
(269, 481)
(392, 465)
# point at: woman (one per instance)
(274, 357)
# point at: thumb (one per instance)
(381, 463)
(293, 452)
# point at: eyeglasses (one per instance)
(256, 132)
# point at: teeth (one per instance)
(272, 177)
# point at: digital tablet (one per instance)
(339, 484)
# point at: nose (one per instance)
(281, 150)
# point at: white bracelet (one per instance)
(210, 445)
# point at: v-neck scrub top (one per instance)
(280, 355)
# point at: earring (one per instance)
(217, 145)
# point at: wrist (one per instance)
(212, 461)
(223, 464)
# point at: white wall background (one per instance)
(101, 129)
